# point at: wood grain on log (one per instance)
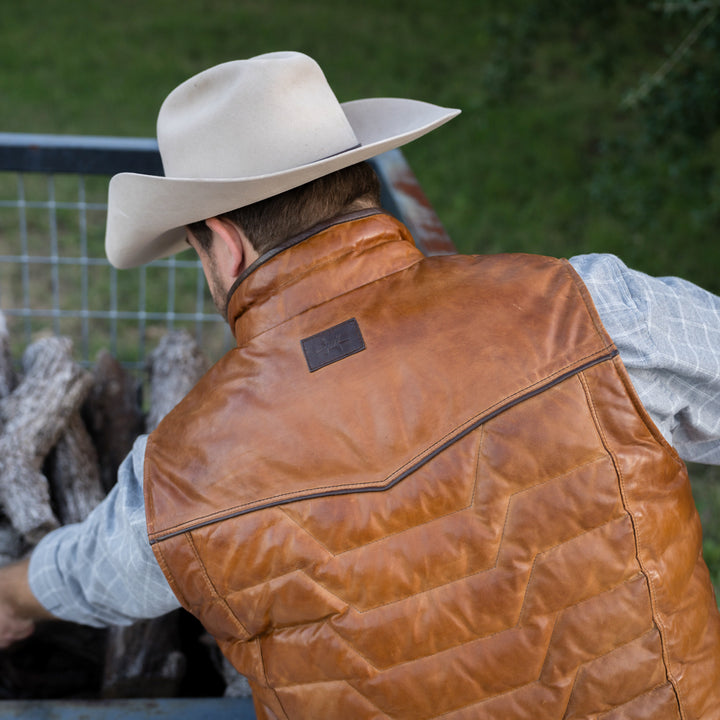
(32, 419)
(112, 415)
(41, 429)
(146, 657)
(7, 373)
(175, 365)
(10, 543)
(75, 473)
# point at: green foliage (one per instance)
(637, 146)
(706, 491)
(711, 553)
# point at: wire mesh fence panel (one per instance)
(54, 277)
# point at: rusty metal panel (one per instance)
(405, 199)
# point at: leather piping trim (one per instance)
(407, 472)
(296, 239)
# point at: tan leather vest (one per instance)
(423, 488)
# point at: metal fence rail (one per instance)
(54, 276)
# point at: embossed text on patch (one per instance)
(333, 344)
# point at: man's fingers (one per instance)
(19, 608)
(15, 631)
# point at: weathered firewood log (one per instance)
(32, 419)
(10, 543)
(145, 659)
(175, 366)
(7, 373)
(75, 473)
(112, 415)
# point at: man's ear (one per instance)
(235, 244)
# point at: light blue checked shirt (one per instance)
(667, 330)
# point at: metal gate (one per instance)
(54, 277)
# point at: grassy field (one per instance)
(543, 158)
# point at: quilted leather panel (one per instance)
(542, 594)
(544, 562)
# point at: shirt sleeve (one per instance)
(667, 331)
(102, 571)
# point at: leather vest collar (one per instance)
(351, 251)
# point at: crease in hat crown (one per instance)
(241, 132)
(258, 100)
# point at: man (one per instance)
(418, 487)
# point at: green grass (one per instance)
(706, 491)
(543, 158)
(539, 160)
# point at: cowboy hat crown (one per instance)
(241, 132)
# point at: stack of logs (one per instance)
(64, 431)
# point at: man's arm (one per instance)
(668, 333)
(102, 571)
(19, 608)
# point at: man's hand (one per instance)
(13, 627)
(19, 609)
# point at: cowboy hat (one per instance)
(244, 131)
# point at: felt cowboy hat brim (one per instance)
(244, 131)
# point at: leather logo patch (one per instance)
(333, 344)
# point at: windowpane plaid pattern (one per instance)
(668, 333)
(102, 571)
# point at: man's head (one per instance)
(268, 223)
(230, 242)
(245, 131)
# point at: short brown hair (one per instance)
(268, 223)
